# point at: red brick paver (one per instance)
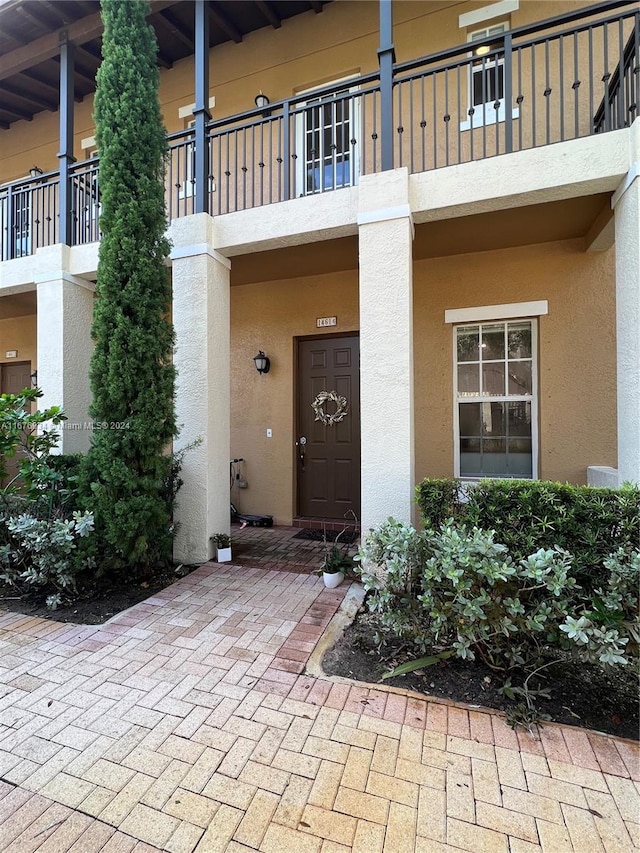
(188, 724)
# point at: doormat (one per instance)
(346, 538)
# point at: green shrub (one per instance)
(590, 523)
(458, 590)
(39, 531)
(43, 553)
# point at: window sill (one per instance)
(478, 119)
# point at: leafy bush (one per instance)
(458, 590)
(589, 523)
(39, 531)
(44, 553)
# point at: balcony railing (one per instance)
(564, 78)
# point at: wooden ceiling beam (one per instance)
(52, 90)
(224, 23)
(169, 20)
(48, 46)
(29, 98)
(269, 13)
(14, 111)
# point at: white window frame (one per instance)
(16, 245)
(341, 84)
(532, 399)
(485, 114)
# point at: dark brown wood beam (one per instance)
(31, 100)
(224, 23)
(86, 57)
(86, 6)
(91, 53)
(17, 37)
(82, 75)
(269, 13)
(42, 22)
(54, 14)
(168, 20)
(44, 84)
(14, 111)
(48, 46)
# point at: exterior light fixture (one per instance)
(261, 362)
(35, 171)
(483, 50)
(262, 102)
(34, 379)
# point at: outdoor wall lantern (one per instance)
(35, 171)
(261, 362)
(34, 379)
(262, 102)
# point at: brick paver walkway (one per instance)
(186, 724)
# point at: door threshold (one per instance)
(335, 525)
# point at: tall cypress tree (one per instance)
(132, 376)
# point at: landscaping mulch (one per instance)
(98, 603)
(588, 696)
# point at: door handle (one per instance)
(300, 444)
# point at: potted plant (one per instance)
(335, 561)
(223, 547)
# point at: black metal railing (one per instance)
(560, 79)
(531, 87)
(322, 140)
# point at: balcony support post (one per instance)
(202, 320)
(386, 346)
(626, 207)
(201, 112)
(386, 58)
(65, 153)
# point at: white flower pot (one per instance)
(333, 579)
(223, 555)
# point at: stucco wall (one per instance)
(268, 317)
(576, 349)
(307, 51)
(18, 333)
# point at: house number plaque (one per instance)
(321, 322)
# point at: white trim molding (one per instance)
(386, 214)
(60, 275)
(629, 178)
(496, 312)
(487, 13)
(199, 249)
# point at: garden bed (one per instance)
(97, 604)
(580, 694)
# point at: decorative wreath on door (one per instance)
(342, 408)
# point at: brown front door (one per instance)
(328, 453)
(14, 378)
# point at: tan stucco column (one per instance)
(65, 313)
(386, 347)
(626, 205)
(201, 306)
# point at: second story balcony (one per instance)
(505, 91)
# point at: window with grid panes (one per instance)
(486, 77)
(329, 130)
(495, 393)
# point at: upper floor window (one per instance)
(327, 138)
(486, 78)
(495, 392)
